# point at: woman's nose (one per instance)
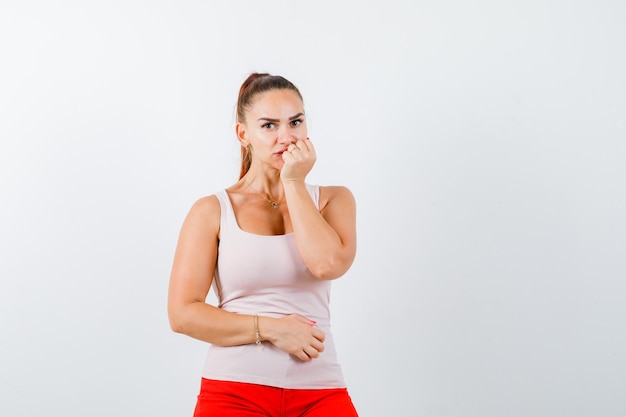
(285, 137)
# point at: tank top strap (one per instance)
(227, 215)
(314, 192)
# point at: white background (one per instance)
(484, 142)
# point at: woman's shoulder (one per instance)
(333, 190)
(205, 212)
(335, 193)
(206, 203)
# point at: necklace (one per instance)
(273, 203)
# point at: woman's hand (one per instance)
(299, 159)
(293, 334)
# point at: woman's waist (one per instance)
(266, 364)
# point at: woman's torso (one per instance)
(265, 275)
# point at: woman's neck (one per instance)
(268, 186)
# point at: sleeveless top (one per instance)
(265, 275)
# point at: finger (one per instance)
(311, 352)
(307, 144)
(287, 156)
(302, 355)
(304, 144)
(318, 334)
(317, 345)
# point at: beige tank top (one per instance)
(265, 275)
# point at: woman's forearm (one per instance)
(322, 248)
(292, 333)
(210, 324)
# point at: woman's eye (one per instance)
(268, 126)
(296, 122)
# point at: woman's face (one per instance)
(274, 120)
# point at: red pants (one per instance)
(238, 399)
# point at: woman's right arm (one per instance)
(191, 278)
(190, 282)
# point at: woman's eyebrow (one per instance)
(269, 119)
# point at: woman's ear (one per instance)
(240, 131)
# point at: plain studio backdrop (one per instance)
(485, 143)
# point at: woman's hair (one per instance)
(255, 84)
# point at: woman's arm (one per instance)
(191, 278)
(326, 239)
(190, 282)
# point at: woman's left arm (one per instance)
(326, 238)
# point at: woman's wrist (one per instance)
(293, 182)
(263, 327)
(295, 188)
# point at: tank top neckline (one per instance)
(231, 214)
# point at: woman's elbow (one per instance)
(177, 321)
(331, 269)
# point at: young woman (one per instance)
(270, 245)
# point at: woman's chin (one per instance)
(279, 162)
